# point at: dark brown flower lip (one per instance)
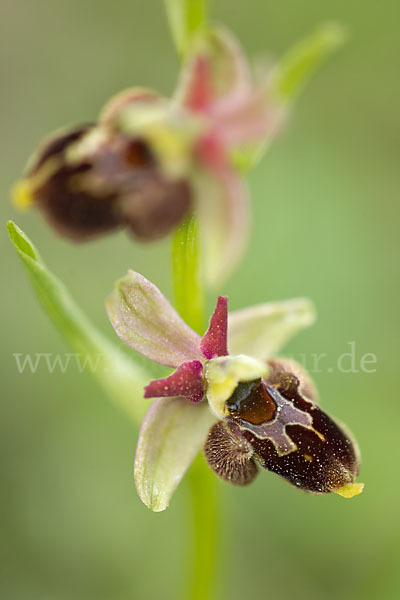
(299, 442)
(321, 457)
(114, 184)
(74, 213)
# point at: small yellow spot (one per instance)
(21, 194)
(350, 490)
(308, 457)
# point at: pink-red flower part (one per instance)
(187, 381)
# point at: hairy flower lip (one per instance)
(299, 441)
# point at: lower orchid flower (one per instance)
(244, 407)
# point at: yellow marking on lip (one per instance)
(318, 434)
(308, 458)
(22, 195)
(23, 192)
(350, 490)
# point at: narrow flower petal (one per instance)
(145, 320)
(214, 342)
(172, 433)
(217, 77)
(262, 330)
(224, 219)
(185, 381)
(199, 92)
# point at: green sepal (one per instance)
(290, 76)
(303, 60)
(172, 434)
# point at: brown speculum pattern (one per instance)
(283, 431)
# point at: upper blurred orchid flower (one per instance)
(149, 161)
(244, 407)
(216, 110)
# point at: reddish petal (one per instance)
(185, 381)
(199, 89)
(214, 342)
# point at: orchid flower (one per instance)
(150, 161)
(217, 109)
(244, 407)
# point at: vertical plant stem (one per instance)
(189, 297)
(186, 274)
(202, 570)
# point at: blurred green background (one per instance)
(326, 226)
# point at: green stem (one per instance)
(186, 274)
(189, 296)
(202, 569)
